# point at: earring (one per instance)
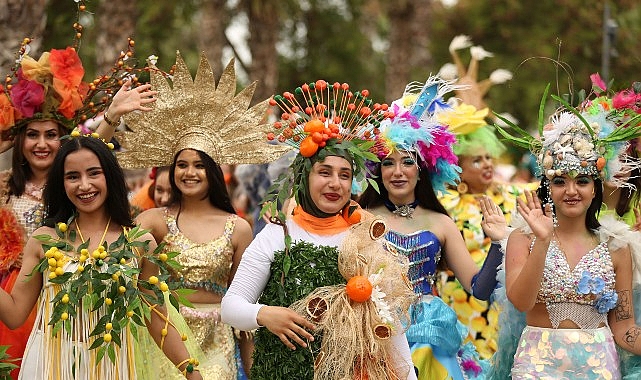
(555, 221)
(462, 188)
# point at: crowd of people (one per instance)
(349, 239)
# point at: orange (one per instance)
(358, 288)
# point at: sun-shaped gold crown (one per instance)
(197, 114)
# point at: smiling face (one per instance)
(477, 171)
(41, 143)
(190, 175)
(399, 172)
(330, 184)
(572, 196)
(84, 181)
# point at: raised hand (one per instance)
(541, 223)
(129, 99)
(494, 223)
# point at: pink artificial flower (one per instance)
(624, 99)
(27, 96)
(598, 85)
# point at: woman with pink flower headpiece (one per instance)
(43, 102)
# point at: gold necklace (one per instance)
(82, 239)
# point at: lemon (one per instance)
(84, 252)
(52, 262)
(65, 299)
(163, 286)
(107, 338)
(122, 289)
(59, 271)
(163, 257)
(130, 313)
(64, 316)
(108, 301)
(109, 326)
(62, 227)
(153, 280)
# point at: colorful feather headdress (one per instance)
(591, 139)
(322, 119)
(415, 128)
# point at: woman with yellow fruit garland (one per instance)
(42, 102)
(89, 304)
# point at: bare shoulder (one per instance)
(242, 229)
(154, 221)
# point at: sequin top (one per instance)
(204, 265)
(423, 250)
(560, 283)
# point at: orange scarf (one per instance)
(326, 226)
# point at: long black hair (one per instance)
(20, 170)
(423, 192)
(591, 221)
(58, 206)
(217, 194)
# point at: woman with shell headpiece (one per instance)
(195, 126)
(586, 268)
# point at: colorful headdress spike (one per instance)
(197, 114)
(317, 112)
(589, 140)
(415, 128)
(77, 132)
(322, 119)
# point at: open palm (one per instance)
(540, 222)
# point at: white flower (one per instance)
(152, 59)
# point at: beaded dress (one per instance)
(583, 294)
(206, 266)
(28, 211)
(435, 336)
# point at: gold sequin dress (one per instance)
(206, 266)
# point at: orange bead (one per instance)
(308, 147)
(358, 289)
(314, 125)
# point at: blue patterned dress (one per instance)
(435, 336)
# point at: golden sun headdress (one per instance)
(197, 114)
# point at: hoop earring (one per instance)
(462, 188)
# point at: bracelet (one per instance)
(190, 367)
(112, 123)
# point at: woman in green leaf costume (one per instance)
(91, 295)
(297, 254)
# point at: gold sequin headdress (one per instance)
(197, 114)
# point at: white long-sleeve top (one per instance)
(239, 307)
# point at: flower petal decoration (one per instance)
(7, 112)
(27, 96)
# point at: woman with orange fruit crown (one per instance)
(326, 333)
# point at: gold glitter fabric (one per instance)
(197, 114)
(204, 265)
(215, 338)
(566, 354)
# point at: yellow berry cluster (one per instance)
(56, 260)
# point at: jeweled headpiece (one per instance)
(415, 128)
(587, 140)
(197, 114)
(322, 119)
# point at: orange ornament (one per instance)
(353, 218)
(314, 125)
(600, 163)
(308, 147)
(358, 288)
